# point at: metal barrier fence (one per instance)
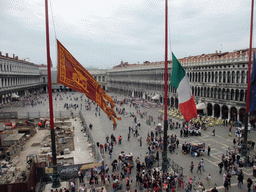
(46, 114)
(96, 150)
(175, 167)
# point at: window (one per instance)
(224, 77)
(233, 77)
(220, 75)
(238, 77)
(243, 77)
(229, 77)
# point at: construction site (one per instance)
(26, 154)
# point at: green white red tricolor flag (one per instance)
(180, 82)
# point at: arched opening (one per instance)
(224, 112)
(219, 93)
(224, 77)
(242, 115)
(232, 94)
(237, 95)
(233, 114)
(233, 76)
(176, 104)
(223, 93)
(229, 77)
(211, 92)
(241, 95)
(216, 110)
(209, 109)
(161, 99)
(172, 102)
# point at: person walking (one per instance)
(220, 166)
(240, 178)
(209, 150)
(202, 164)
(228, 177)
(201, 187)
(191, 167)
(81, 176)
(199, 167)
(208, 179)
(249, 184)
(226, 185)
(110, 153)
(177, 143)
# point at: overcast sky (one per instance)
(101, 33)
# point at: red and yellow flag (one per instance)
(73, 75)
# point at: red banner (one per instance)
(73, 75)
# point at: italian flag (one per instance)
(180, 82)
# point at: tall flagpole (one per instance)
(164, 154)
(244, 146)
(55, 175)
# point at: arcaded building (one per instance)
(20, 78)
(218, 82)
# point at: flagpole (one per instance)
(55, 175)
(244, 146)
(164, 154)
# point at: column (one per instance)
(221, 111)
(229, 107)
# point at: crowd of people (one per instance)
(148, 177)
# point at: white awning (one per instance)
(156, 97)
(201, 106)
(14, 95)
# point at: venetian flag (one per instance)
(73, 75)
(180, 82)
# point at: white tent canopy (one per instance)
(156, 97)
(14, 95)
(201, 106)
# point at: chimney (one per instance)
(17, 58)
(220, 52)
(7, 55)
(13, 56)
(216, 51)
(0, 53)
(240, 52)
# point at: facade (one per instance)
(218, 80)
(20, 78)
(99, 75)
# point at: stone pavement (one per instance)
(102, 127)
(81, 153)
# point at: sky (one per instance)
(102, 33)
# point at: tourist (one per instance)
(202, 164)
(240, 178)
(220, 166)
(214, 189)
(199, 167)
(249, 184)
(201, 187)
(191, 167)
(208, 179)
(81, 176)
(209, 150)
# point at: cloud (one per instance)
(102, 33)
